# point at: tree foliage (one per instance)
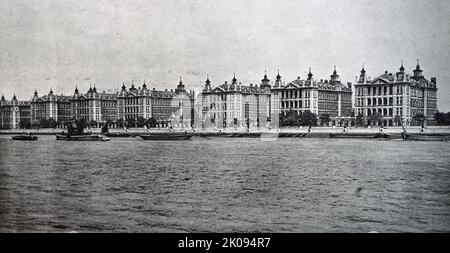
(419, 118)
(375, 118)
(292, 118)
(360, 120)
(325, 119)
(47, 123)
(150, 122)
(140, 122)
(25, 123)
(442, 119)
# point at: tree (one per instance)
(140, 122)
(360, 120)
(324, 119)
(419, 118)
(92, 123)
(442, 119)
(150, 122)
(130, 122)
(25, 123)
(308, 118)
(375, 118)
(291, 118)
(47, 123)
(120, 123)
(398, 120)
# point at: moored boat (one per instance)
(121, 135)
(427, 137)
(166, 136)
(25, 137)
(75, 132)
(85, 137)
(359, 135)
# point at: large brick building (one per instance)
(94, 106)
(50, 106)
(168, 108)
(330, 97)
(397, 98)
(14, 113)
(236, 105)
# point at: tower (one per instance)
(417, 72)
(207, 84)
(265, 82)
(310, 75)
(362, 76)
(278, 80)
(335, 78)
(180, 86)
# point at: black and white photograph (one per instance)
(224, 116)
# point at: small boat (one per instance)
(246, 135)
(359, 135)
(165, 136)
(25, 137)
(121, 135)
(76, 132)
(84, 137)
(427, 137)
(216, 134)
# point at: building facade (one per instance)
(330, 97)
(50, 106)
(167, 108)
(94, 107)
(396, 98)
(14, 113)
(236, 105)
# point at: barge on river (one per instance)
(28, 137)
(166, 136)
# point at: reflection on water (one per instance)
(224, 185)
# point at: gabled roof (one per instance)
(292, 84)
(380, 79)
(218, 89)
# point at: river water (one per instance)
(224, 185)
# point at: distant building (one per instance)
(167, 108)
(330, 97)
(50, 106)
(396, 98)
(14, 113)
(94, 107)
(236, 105)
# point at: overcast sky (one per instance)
(62, 43)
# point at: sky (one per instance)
(60, 44)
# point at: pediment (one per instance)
(379, 80)
(290, 86)
(218, 89)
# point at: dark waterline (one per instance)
(224, 185)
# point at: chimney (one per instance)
(251, 85)
(153, 89)
(166, 89)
